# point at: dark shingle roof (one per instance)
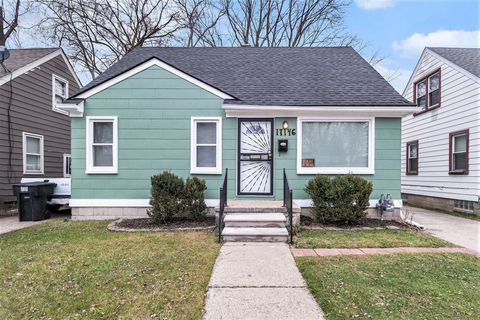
(21, 57)
(466, 58)
(326, 76)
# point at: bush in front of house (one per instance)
(339, 200)
(171, 196)
(166, 195)
(194, 199)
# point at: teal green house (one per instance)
(253, 111)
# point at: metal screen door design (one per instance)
(255, 162)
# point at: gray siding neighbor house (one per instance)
(34, 134)
(441, 140)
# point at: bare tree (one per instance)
(8, 24)
(199, 21)
(97, 33)
(288, 22)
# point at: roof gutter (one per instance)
(232, 110)
(74, 107)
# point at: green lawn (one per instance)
(70, 270)
(367, 239)
(398, 286)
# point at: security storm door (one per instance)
(255, 163)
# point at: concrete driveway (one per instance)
(9, 224)
(459, 231)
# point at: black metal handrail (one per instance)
(223, 204)
(288, 203)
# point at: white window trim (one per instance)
(454, 142)
(410, 151)
(24, 153)
(90, 169)
(65, 156)
(54, 102)
(337, 170)
(193, 146)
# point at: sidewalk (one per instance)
(258, 281)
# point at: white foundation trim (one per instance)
(122, 203)
(308, 203)
(138, 203)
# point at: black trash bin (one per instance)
(32, 199)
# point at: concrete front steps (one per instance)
(256, 221)
(253, 227)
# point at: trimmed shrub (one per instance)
(166, 197)
(171, 196)
(193, 198)
(341, 200)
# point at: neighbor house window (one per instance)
(206, 148)
(32, 153)
(327, 146)
(67, 165)
(463, 205)
(458, 161)
(427, 91)
(102, 145)
(60, 92)
(412, 157)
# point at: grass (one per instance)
(71, 270)
(367, 239)
(398, 286)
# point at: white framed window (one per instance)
(459, 145)
(59, 92)
(102, 145)
(67, 165)
(335, 145)
(32, 153)
(206, 145)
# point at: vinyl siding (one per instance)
(154, 109)
(459, 110)
(32, 112)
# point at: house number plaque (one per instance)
(286, 132)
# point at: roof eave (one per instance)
(232, 110)
(84, 94)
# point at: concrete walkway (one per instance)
(258, 281)
(460, 231)
(9, 224)
(363, 251)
